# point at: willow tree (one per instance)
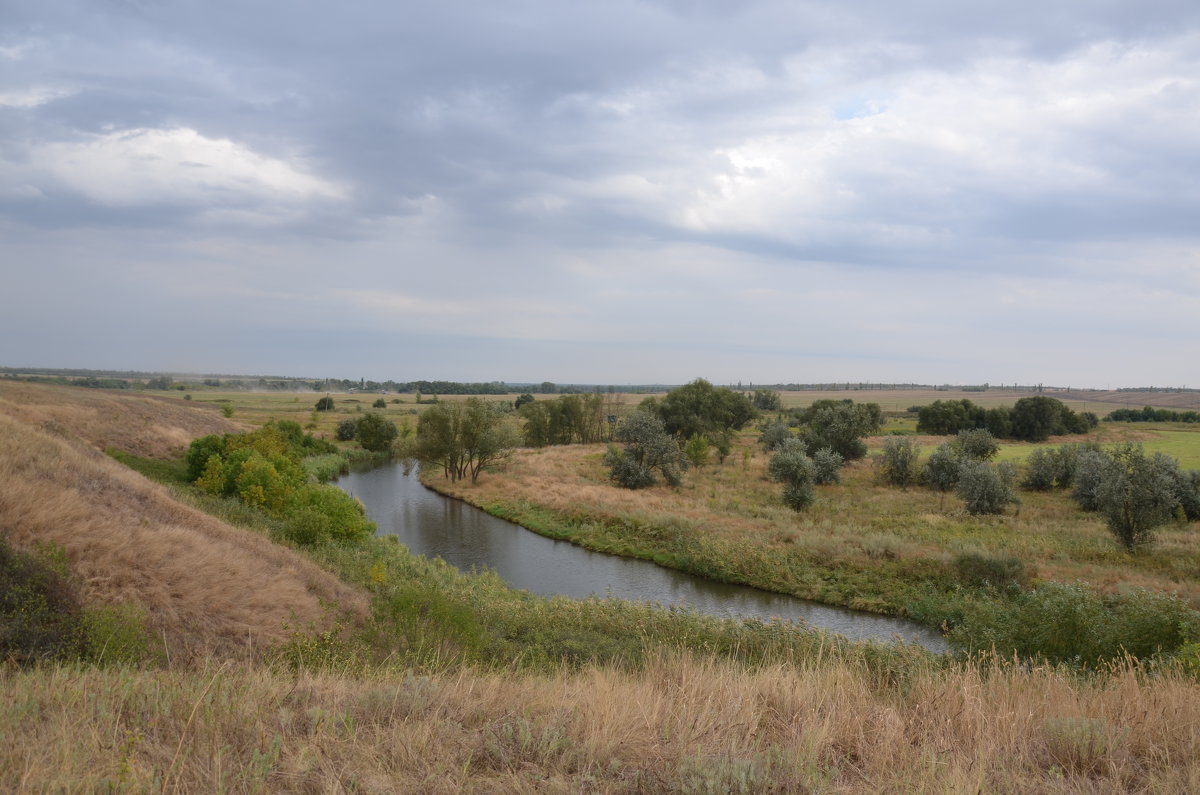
(463, 438)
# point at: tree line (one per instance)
(1031, 419)
(1150, 414)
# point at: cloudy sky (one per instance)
(604, 192)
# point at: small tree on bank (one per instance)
(985, 488)
(899, 463)
(648, 449)
(1135, 493)
(463, 438)
(795, 470)
(375, 432)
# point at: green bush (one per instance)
(1136, 494)
(827, 466)
(346, 430)
(648, 448)
(898, 464)
(976, 444)
(1041, 470)
(1187, 486)
(379, 403)
(941, 470)
(325, 404)
(343, 518)
(42, 615)
(796, 471)
(626, 471)
(115, 635)
(697, 450)
(773, 435)
(1089, 470)
(376, 432)
(984, 488)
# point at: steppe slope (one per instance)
(207, 587)
(151, 427)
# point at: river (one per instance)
(468, 538)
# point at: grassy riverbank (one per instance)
(862, 544)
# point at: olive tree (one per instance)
(648, 448)
(898, 463)
(827, 466)
(976, 444)
(840, 426)
(792, 467)
(985, 488)
(1136, 493)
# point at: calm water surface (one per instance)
(468, 538)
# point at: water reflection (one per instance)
(468, 538)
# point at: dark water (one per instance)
(468, 538)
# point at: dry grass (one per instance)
(150, 427)
(682, 724)
(207, 587)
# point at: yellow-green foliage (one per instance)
(265, 470)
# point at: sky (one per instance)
(604, 192)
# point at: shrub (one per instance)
(379, 403)
(347, 430)
(976, 444)
(774, 435)
(1041, 470)
(1135, 494)
(1067, 457)
(827, 466)
(1187, 485)
(1089, 469)
(625, 471)
(376, 432)
(898, 464)
(799, 496)
(790, 466)
(328, 513)
(325, 404)
(323, 468)
(648, 448)
(696, 450)
(840, 426)
(941, 470)
(984, 488)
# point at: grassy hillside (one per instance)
(207, 587)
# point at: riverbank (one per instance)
(862, 545)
